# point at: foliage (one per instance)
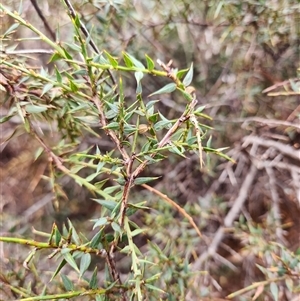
(84, 92)
(134, 247)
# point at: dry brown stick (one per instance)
(276, 208)
(282, 148)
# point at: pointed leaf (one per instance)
(143, 180)
(136, 62)
(67, 283)
(74, 233)
(166, 89)
(111, 59)
(35, 109)
(46, 88)
(110, 205)
(94, 280)
(100, 222)
(274, 290)
(96, 240)
(150, 63)
(127, 60)
(58, 75)
(69, 259)
(84, 263)
(138, 76)
(60, 266)
(189, 76)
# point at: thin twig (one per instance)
(28, 51)
(86, 33)
(280, 84)
(175, 205)
(46, 24)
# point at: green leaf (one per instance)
(94, 280)
(74, 233)
(46, 88)
(133, 208)
(84, 263)
(96, 240)
(150, 63)
(20, 10)
(112, 126)
(153, 118)
(150, 104)
(60, 266)
(5, 118)
(136, 63)
(138, 76)
(154, 288)
(116, 228)
(67, 54)
(180, 73)
(189, 77)
(73, 86)
(92, 176)
(67, 283)
(143, 180)
(69, 258)
(274, 290)
(186, 95)
(57, 236)
(55, 57)
(111, 59)
(11, 29)
(162, 125)
(174, 149)
(110, 205)
(100, 222)
(127, 60)
(38, 153)
(35, 109)
(137, 232)
(58, 75)
(289, 284)
(166, 89)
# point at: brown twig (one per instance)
(40, 14)
(175, 205)
(283, 83)
(276, 208)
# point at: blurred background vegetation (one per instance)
(246, 72)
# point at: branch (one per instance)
(282, 148)
(46, 24)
